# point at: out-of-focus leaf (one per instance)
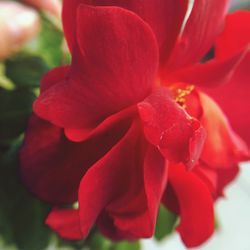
(166, 222)
(216, 223)
(50, 43)
(239, 4)
(25, 70)
(97, 241)
(21, 215)
(3, 246)
(4, 81)
(61, 244)
(15, 108)
(126, 245)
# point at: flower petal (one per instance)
(234, 96)
(222, 148)
(195, 204)
(164, 16)
(53, 77)
(216, 179)
(229, 53)
(120, 183)
(225, 176)
(124, 117)
(52, 166)
(203, 26)
(155, 179)
(210, 74)
(235, 36)
(107, 180)
(104, 77)
(133, 216)
(65, 222)
(167, 126)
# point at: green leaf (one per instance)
(50, 43)
(126, 245)
(216, 223)
(62, 244)
(166, 222)
(4, 81)
(15, 108)
(3, 246)
(97, 242)
(21, 215)
(25, 70)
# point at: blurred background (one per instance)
(236, 4)
(31, 43)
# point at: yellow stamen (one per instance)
(182, 93)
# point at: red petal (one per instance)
(225, 177)
(123, 188)
(216, 179)
(164, 16)
(155, 178)
(229, 53)
(235, 36)
(69, 21)
(209, 176)
(107, 180)
(203, 26)
(170, 200)
(196, 206)
(111, 68)
(167, 126)
(52, 166)
(193, 104)
(53, 77)
(234, 96)
(124, 117)
(133, 216)
(210, 74)
(66, 223)
(222, 148)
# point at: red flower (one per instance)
(108, 135)
(234, 96)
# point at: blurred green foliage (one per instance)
(25, 70)
(50, 43)
(15, 108)
(165, 225)
(21, 216)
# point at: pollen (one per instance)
(182, 93)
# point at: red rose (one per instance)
(120, 120)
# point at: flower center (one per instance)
(181, 93)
